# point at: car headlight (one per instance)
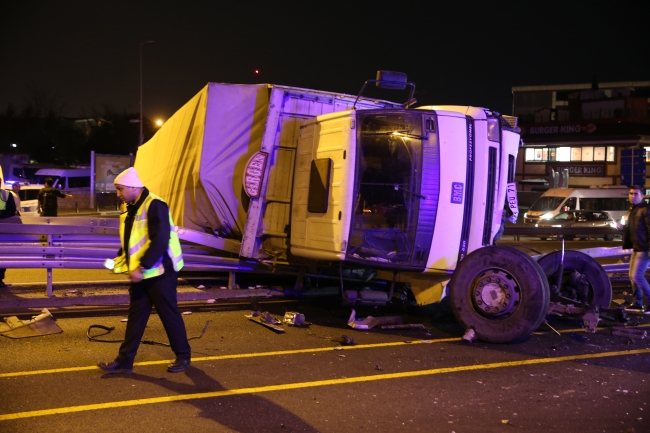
(547, 216)
(525, 214)
(623, 220)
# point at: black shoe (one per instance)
(3, 284)
(636, 307)
(113, 368)
(178, 365)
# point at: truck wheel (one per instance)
(608, 237)
(500, 292)
(583, 279)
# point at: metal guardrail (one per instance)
(85, 243)
(518, 230)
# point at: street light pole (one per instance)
(141, 137)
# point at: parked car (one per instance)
(579, 219)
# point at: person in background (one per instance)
(47, 199)
(637, 236)
(7, 209)
(151, 254)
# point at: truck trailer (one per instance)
(328, 182)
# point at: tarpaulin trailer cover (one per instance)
(196, 160)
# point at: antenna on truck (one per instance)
(390, 80)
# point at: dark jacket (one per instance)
(10, 207)
(637, 228)
(47, 199)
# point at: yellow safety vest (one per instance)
(139, 243)
(4, 196)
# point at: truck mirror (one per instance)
(319, 185)
(391, 80)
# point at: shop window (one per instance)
(566, 154)
(576, 154)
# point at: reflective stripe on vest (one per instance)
(139, 242)
(4, 196)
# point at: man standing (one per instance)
(637, 236)
(7, 209)
(151, 254)
(47, 203)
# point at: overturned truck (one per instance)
(322, 181)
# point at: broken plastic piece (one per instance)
(347, 341)
(267, 320)
(293, 318)
(187, 313)
(43, 324)
(370, 322)
(470, 335)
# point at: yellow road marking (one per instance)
(301, 385)
(237, 356)
(263, 354)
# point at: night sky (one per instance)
(80, 56)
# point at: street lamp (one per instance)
(141, 137)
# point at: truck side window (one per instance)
(319, 185)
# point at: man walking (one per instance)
(637, 236)
(151, 254)
(47, 199)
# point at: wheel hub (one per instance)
(496, 293)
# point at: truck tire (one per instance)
(500, 292)
(608, 237)
(600, 286)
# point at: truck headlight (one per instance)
(547, 216)
(493, 129)
(525, 214)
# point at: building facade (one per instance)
(581, 128)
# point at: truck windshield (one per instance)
(387, 188)
(549, 203)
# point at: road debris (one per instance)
(404, 326)
(293, 318)
(469, 336)
(377, 367)
(186, 313)
(43, 324)
(347, 341)
(265, 319)
(370, 321)
(635, 333)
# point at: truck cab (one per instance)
(402, 189)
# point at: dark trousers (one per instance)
(161, 293)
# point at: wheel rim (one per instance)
(495, 293)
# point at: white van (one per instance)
(68, 179)
(609, 198)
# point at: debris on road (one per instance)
(370, 321)
(347, 341)
(404, 326)
(377, 367)
(265, 319)
(469, 336)
(293, 318)
(635, 333)
(186, 313)
(43, 324)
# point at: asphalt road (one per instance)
(247, 378)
